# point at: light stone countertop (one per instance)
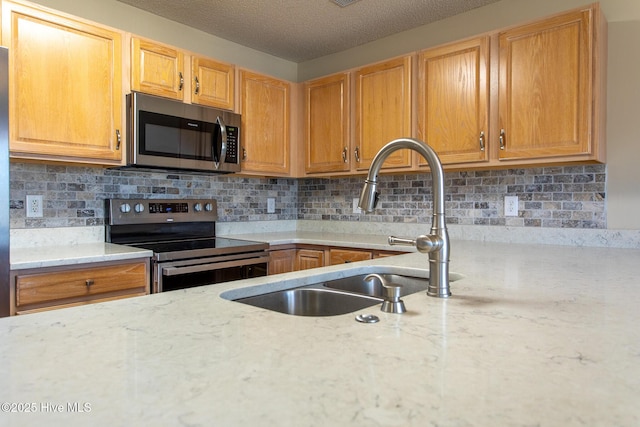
(533, 335)
(64, 254)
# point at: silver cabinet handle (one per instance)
(357, 153)
(502, 137)
(89, 282)
(118, 138)
(197, 85)
(344, 154)
(481, 141)
(181, 85)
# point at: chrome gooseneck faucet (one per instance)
(436, 244)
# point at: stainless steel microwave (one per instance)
(172, 135)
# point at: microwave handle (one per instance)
(223, 148)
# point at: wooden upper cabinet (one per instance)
(265, 124)
(212, 83)
(551, 90)
(383, 111)
(453, 101)
(327, 110)
(157, 69)
(65, 86)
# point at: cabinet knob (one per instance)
(181, 80)
(357, 153)
(502, 138)
(118, 138)
(197, 90)
(481, 141)
(344, 154)
(88, 282)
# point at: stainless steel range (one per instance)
(182, 236)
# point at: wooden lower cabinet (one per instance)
(282, 261)
(309, 258)
(287, 258)
(57, 287)
(343, 256)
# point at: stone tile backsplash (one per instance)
(568, 197)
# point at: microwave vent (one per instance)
(344, 3)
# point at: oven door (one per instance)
(169, 276)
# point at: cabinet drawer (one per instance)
(81, 283)
(341, 256)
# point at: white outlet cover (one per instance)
(510, 205)
(271, 205)
(34, 206)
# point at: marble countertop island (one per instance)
(533, 335)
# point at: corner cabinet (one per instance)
(453, 101)
(159, 69)
(383, 111)
(265, 109)
(551, 85)
(65, 86)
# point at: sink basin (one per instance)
(410, 285)
(311, 301)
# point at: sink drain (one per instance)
(367, 318)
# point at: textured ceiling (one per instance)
(300, 30)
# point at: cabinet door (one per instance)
(282, 261)
(383, 111)
(65, 86)
(309, 258)
(212, 83)
(265, 124)
(327, 124)
(157, 69)
(453, 101)
(342, 256)
(545, 85)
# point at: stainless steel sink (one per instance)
(331, 297)
(410, 285)
(311, 301)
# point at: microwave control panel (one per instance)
(232, 144)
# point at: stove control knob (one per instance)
(208, 207)
(197, 207)
(125, 208)
(139, 208)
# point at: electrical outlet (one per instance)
(34, 206)
(271, 205)
(356, 209)
(510, 205)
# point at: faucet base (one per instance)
(438, 294)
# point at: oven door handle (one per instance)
(176, 271)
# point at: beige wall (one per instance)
(623, 127)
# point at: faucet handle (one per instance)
(393, 240)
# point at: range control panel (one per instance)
(145, 211)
